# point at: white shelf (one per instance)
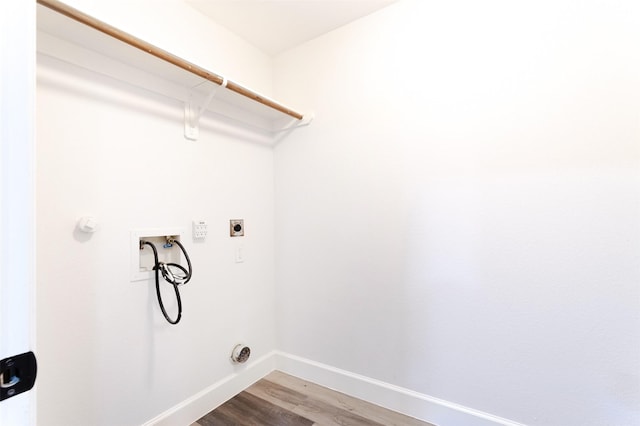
(74, 42)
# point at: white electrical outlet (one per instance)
(199, 229)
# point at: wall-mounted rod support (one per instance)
(294, 124)
(192, 116)
(133, 41)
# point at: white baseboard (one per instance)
(201, 403)
(405, 401)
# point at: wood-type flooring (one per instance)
(283, 400)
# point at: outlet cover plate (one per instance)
(199, 229)
(236, 228)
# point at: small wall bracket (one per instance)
(192, 114)
(295, 123)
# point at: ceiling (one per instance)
(277, 25)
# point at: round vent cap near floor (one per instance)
(240, 353)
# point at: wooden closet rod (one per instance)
(162, 54)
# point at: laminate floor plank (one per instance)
(283, 400)
(247, 410)
(281, 396)
(308, 406)
(365, 409)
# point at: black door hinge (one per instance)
(17, 374)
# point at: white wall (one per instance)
(461, 219)
(106, 354)
(178, 28)
(17, 190)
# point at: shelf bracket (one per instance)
(192, 114)
(295, 123)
